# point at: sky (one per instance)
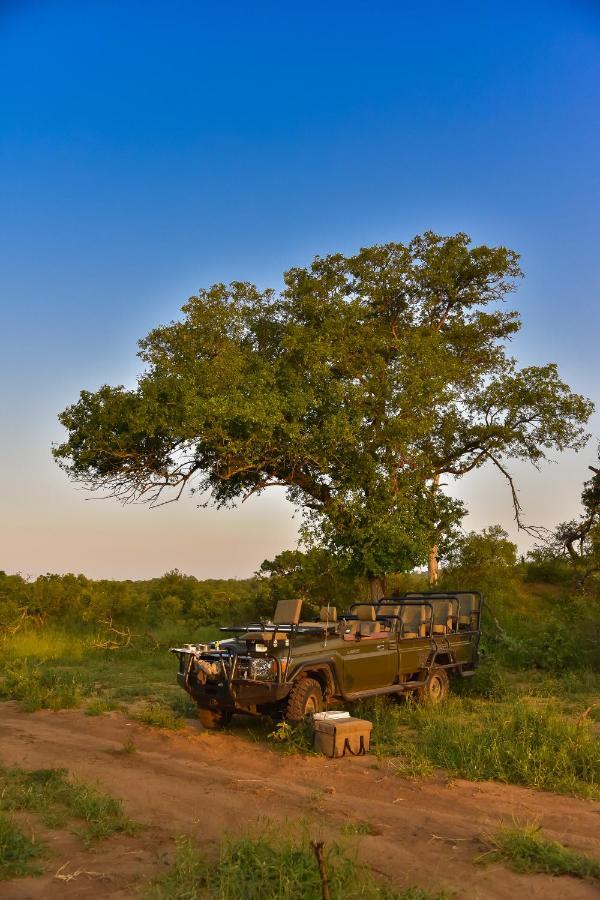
(148, 149)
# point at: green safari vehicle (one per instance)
(408, 644)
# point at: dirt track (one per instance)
(203, 784)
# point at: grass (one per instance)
(38, 687)
(58, 799)
(159, 716)
(353, 829)
(516, 741)
(270, 867)
(516, 726)
(18, 851)
(292, 738)
(100, 706)
(52, 668)
(524, 849)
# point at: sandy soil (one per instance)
(202, 784)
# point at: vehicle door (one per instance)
(371, 661)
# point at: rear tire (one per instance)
(214, 718)
(305, 699)
(435, 689)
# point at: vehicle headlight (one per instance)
(263, 669)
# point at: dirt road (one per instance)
(203, 784)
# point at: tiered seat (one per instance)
(414, 620)
(469, 611)
(442, 616)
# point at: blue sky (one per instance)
(148, 149)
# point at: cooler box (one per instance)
(338, 734)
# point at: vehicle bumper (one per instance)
(239, 693)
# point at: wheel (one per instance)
(305, 698)
(214, 718)
(435, 688)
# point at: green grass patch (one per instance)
(18, 851)
(58, 669)
(58, 800)
(271, 867)
(159, 716)
(354, 829)
(394, 734)
(524, 849)
(100, 706)
(292, 738)
(36, 686)
(515, 742)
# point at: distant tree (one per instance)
(315, 576)
(485, 560)
(357, 387)
(579, 539)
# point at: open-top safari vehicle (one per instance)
(407, 644)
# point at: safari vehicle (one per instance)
(410, 644)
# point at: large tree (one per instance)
(356, 387)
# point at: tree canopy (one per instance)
(355, 386)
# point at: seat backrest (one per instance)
(328, 614)
(366, 612)
(411, 617)
(287, 612)
(388, 610)
(468, 603)
(469, 608)
(442, 613)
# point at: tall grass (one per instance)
(38, 686)
(515, 741)
(271, 867)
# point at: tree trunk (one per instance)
(433, 566)
(376, 587)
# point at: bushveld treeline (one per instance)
(542, 616)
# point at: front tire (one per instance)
(214, 718)
(305, 699)
(435, 689)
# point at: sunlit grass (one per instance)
(524, 849)
(18, 850)
(58, 799)
(270, 866)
